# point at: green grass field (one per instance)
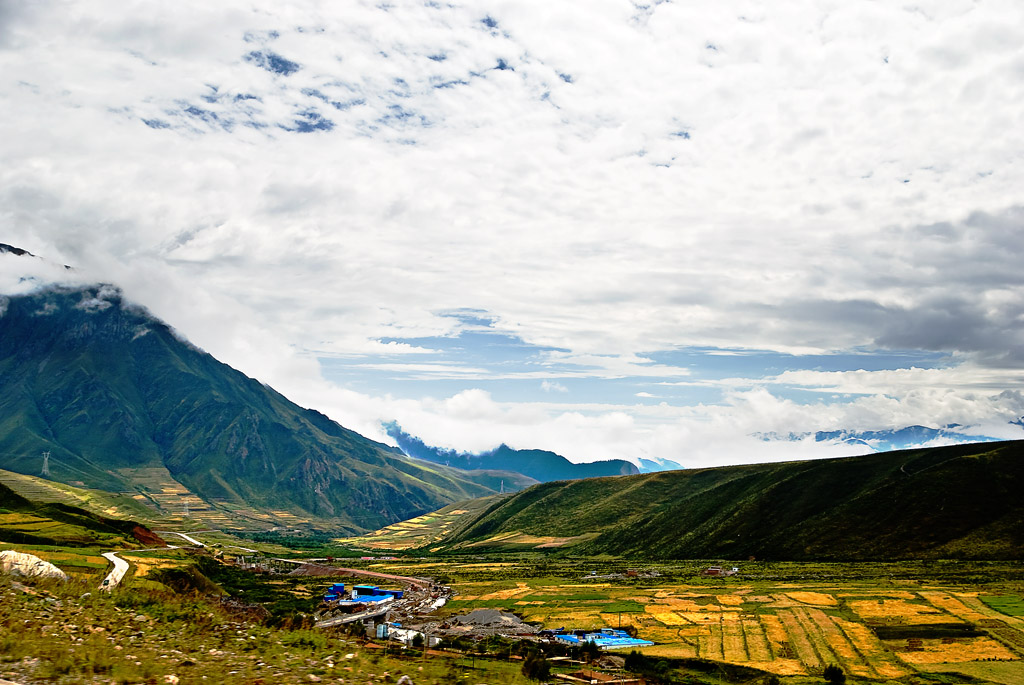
(1011, 605)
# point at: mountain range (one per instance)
(109, 392)
(541, 465)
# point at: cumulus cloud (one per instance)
(603, 183)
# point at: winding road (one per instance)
(121, 566)
(115, 576)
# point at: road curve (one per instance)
(115, 576)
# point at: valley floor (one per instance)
(902, 622)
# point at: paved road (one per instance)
(115, 576)
(180, 535)
(121, 566)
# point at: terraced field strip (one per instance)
(799, 639)
(39, 490)
(709, 643)
(734, 646)
(847, 654)
(1005, 633)
(871, 649)
(952, 605)
(758, 648)
(817, 638)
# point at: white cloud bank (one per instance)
(285, 179)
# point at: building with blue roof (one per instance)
(606, 638)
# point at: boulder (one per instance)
(23, 564)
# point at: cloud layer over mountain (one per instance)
(607, 229)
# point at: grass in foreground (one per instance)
(69, 633)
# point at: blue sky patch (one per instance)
(272, 62)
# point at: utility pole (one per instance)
(46, 463)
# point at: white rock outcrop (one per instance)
(22, 564)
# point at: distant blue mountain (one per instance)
(900, 438)
(540, 465)
(889, 440)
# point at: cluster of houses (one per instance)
(360, 594)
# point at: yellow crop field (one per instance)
(817, 598)
(144, 565)
(969, 649)
(898, 610)
(518, 591)
(757, 642)
(782, 628)
(671, 651)
(734, 646)
(774, 631)
(665, 615)
(945, 602)
(892, 594)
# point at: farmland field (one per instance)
(874, 625)
(1011, 605)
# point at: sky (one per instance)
(697, 231)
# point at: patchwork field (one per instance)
(872, 629)
(420, 531)
(159, 501)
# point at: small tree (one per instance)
(536, 668)
(834, 675)
(417, 641)
(635, 662)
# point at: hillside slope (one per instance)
(108, 390)
(962, 501)
(23, 521)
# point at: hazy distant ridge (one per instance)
(540, 465)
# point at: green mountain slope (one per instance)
(108, 390)
(26, 522)
(962, 501)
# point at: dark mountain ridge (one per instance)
(106, 388)
(961, 501)
(540, 465)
